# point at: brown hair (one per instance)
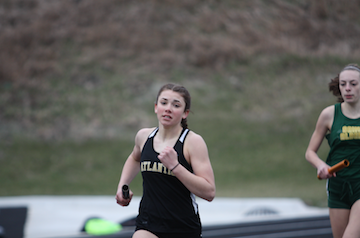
(183, 92)
(334, 83)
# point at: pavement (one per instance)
(64, 216)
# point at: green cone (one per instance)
(97, 226)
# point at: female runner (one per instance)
(175, 167)
(340, 124)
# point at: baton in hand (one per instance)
(337, 167)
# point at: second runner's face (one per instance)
(349, 83)
(170, 108)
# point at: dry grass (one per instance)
(63, 63)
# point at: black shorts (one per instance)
(173, 235)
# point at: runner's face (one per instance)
(349, 84)
(170, 108)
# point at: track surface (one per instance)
(308, 227)
(65, 216)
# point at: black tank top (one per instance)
(166, 205)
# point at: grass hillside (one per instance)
(79, 78)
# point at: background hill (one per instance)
(78, 79)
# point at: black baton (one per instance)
(125, 191)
